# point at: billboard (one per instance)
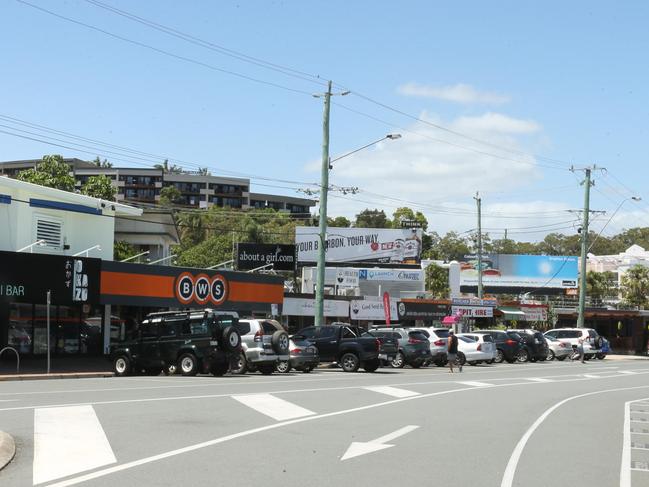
(251, 256)
(502, 272)
(377, 245)
(372, 308)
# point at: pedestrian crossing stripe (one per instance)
(392, 391)
(272, 406)
(476, 384)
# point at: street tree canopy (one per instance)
(52, 172)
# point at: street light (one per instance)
(40, 243)
(388, 136)
(163, 259)
(87, 251)
(136, 256)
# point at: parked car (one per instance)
(347, 345)
(507, 348)
(414, 348)
(535, 345)
(474, 352)
(438, 339)
(191, 341)
(486, 344)
(302, 356)
(559, 349)
(592, 341)
(264, 343)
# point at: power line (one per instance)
(162, 51)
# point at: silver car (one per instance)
(263, 344)
(438, 338)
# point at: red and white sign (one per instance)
(473, 311)
(386, 307)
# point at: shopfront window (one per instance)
(40, 329)
(67, 330)
(21, 327)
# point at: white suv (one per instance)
(264, 343)
(592, 340)
(438, 338)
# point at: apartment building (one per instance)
(143, 185)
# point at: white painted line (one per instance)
(539, 379)
(625, 472)
(68, 441)
(628, 372)
(272, 406)
(392, 391)
(590, 376)
(476, 383)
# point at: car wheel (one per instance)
(267, 369)
(500, 356)
(461, 358)
(122, 366)
(170, 369)
(399, 361)
(416, 364)
(308, 369)
(231, 339)
(510, 360)
(153, 371)
(522, 356)
(371, 365)
(490, 361)
(588, 356)
(601, 356)
(283, 366)
(219, 369)
(473, 363)
(440, 363)
(188, 364)
(349, 362)
(239, 365)
(550, 355)
(280, 342)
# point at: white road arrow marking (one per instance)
(357, 448)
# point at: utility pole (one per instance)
(322, 233)
(478, 202)
(584, 248)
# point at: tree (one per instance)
(599, 285)
(372, 219)
(166, 168)
(404, 214)
(437, 281)
(339, 221)
(170, 195)
(203, 171)
(99, 163)
(52, 172)
(635, 286)
(99, 187)
(123, 250)
(217, 248)
(447, 248)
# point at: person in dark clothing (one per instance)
(452, 351)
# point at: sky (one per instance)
(500, 98)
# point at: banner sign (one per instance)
(390, 275)
(520, 271)
(535, 313)
(421, 311)
(250, 256)
(371, 309)
(473, 311)
(386, 307)
(306, 307)
(26, 278)
(361, 245)
(474, 302)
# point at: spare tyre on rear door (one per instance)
(231, 339)
(280, 342)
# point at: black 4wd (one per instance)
(188, 341)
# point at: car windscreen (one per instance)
(441, 332)
(417, 335)
(487, 338)
(513, 335)
(424, 332)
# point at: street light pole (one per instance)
(584, 247)
(322, 233)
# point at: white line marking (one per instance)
(510, 470)
(68, 441)
(358, 448)
(392, 391)
(590, 376)
(625, 472)
(272, 406)
(476, 384)
(628, 372)
(539, 379)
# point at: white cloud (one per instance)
(440, 179)
(459, 93)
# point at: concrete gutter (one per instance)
(67, 375)
(7, 449)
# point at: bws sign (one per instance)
(201, 289)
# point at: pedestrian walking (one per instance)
(580, 349)
(452, 351)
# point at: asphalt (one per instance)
(460, 429)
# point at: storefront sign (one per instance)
(306, 307)
(345, 277)
(408, 310)
(361, 245)
(473, 311)
(390, 275)
(27, 277)
(371, 309)
(474, 302)
(166, 286)
(535, 314)
(250, 256)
